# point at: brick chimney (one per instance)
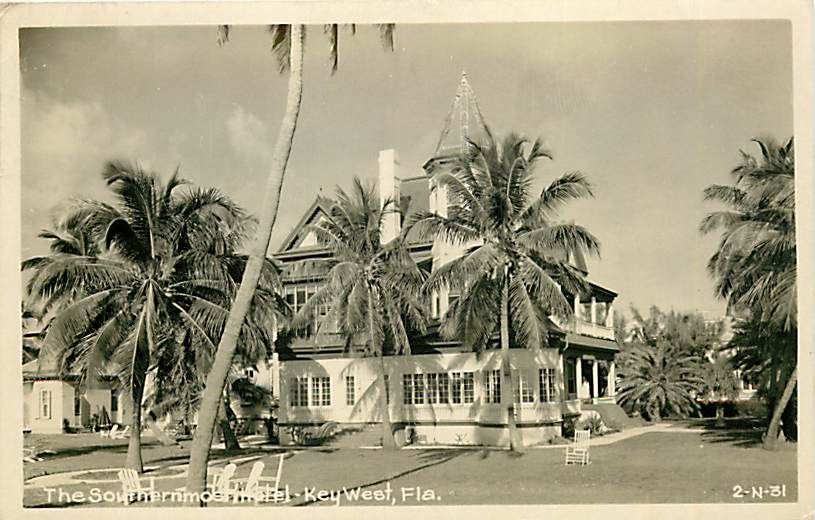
(389, 182)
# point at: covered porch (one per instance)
(589, 369)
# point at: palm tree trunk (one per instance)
(216, 379)
(506, 368)
(772, 393)
(228, 434)
(388, 442)
(134, 460)
(771, 437)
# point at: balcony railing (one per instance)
(593, 329)
(586, 328)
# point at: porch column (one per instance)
(577, 307)
(578, 376)
(595, 373)
(612, 383)
(610, 315)
(561, 382)
(593, 310)
(274, 375)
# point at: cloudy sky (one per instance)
(651, 112)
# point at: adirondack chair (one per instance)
(30, 455)
(132, 486)
(109, 433)
(578, 452)
(259, 488)
(223, 485)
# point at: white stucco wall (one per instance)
(29, 408)
(51, 423)
(471, 423)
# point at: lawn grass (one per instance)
(659, 467)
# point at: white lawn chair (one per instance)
(109, 433)
(121, 434)
(222, 484)
(132, 487)
(578, 452)
(29, 455)
(259, 488)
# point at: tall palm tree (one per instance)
(163, 264)
(287, 45)
(373, 290)
(515, 271)
(755, 264)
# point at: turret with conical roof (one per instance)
(463, 122)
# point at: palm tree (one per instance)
(755, 264)
(766, 353)
(657, 380)
(162, 264)
(659, 373)
(372, 289)
(719, 383)
(515, 271)
(287, 45)
(185, 362)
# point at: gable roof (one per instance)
(321, 205)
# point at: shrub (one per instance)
(751, 408)
(568, 427)
(594, 424)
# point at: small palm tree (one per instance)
(515, 271)
(161, 263)
(660, 364)
(657, 379)
(719, 383)
(755, 265)
(373, 289)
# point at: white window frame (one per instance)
(468, 387)
(298, 392)
(492, 386)
(523, 392)
(407, 389)
(320, 391)
(456, 388)
(45, 404)
(350, 391)
(547, 385)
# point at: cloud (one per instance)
(64, 147)
(248, 135)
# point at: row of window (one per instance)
(298, 295)
(431, 388)
(45, 403)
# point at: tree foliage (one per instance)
(755, 268)
(511, 239)
(148, 286)
(663, 363)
